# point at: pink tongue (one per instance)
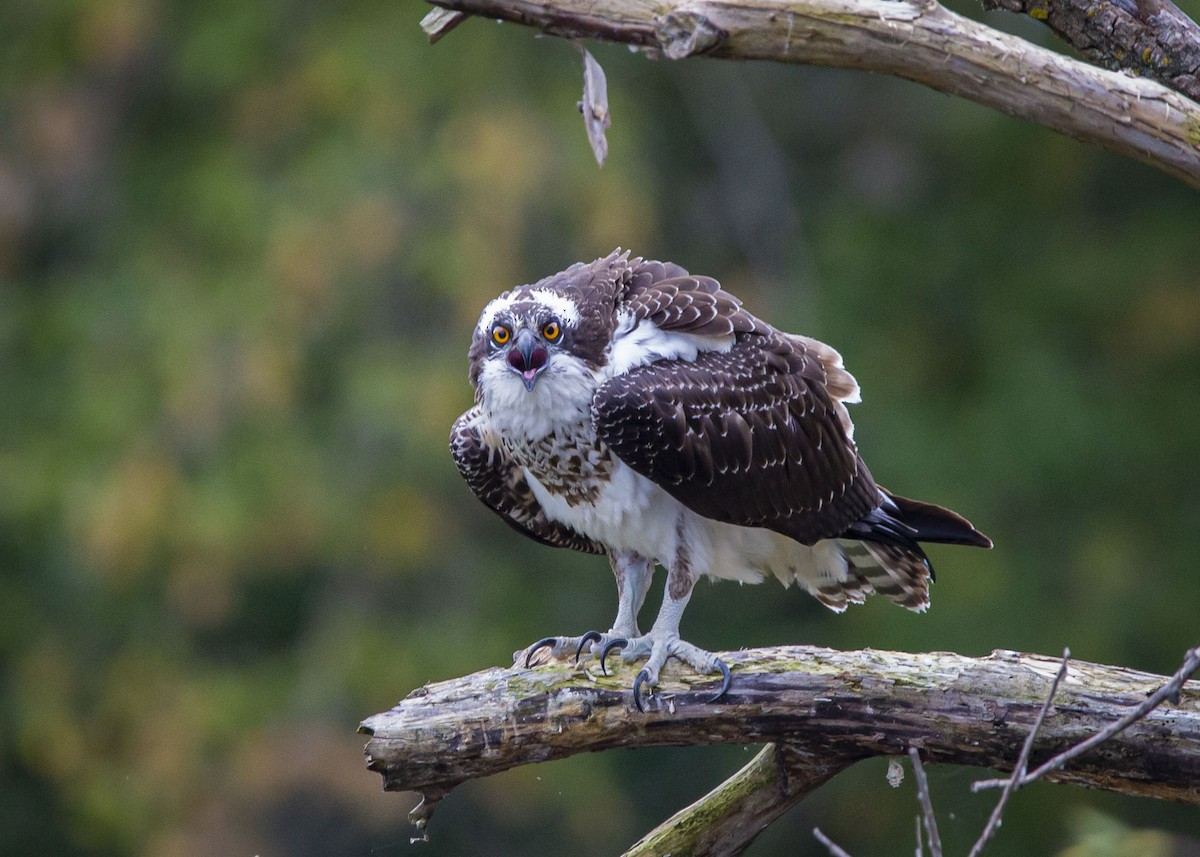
(529, 374)
(537, 359)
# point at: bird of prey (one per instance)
(628, 408)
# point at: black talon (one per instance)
(642, 678)
(612, 644)
(540, 644)
(726, 680)
(589, 637)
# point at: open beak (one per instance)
(527, 358)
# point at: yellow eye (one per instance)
(501, 334)
(551, 331)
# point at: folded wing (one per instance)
(502, 486)
(749, 436)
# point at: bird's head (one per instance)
(524, 336)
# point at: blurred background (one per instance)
(242, 249)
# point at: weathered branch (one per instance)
(1169, 690)
(1149, 37)
(729, 818)
(969, 711)
(920, 41)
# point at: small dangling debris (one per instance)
(594, 105)
(439, 22)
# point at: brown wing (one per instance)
(750, 436)
(665, 295)
(503, 488)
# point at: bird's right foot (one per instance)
(545, 650)
(549, 649)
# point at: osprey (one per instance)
(628, 408)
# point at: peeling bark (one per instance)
(1148, 37)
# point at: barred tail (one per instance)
(883, 551)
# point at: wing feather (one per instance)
(503, 488)
(671, 299)
(748, 436)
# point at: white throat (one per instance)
(561, 397)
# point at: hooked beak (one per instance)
(527, 358)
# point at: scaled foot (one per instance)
(568, 648)
(657, 648)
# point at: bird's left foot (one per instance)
(659, 649)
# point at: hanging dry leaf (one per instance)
(594, 105)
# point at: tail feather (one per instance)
(899, 573)
(933, 523)
(884, 554)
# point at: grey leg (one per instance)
(633, 573)
(663, 640)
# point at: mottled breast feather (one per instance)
(749, 436)
(502, 486)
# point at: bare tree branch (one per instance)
(729, 818)
(972, 711)
(914, 39)
(1149, 37)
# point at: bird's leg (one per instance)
(633, 572)
(663, 640)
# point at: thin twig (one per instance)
(935, 841)
(1169, 690)
(834, 849)
(1022, 761)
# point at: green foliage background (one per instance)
(242, 247)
